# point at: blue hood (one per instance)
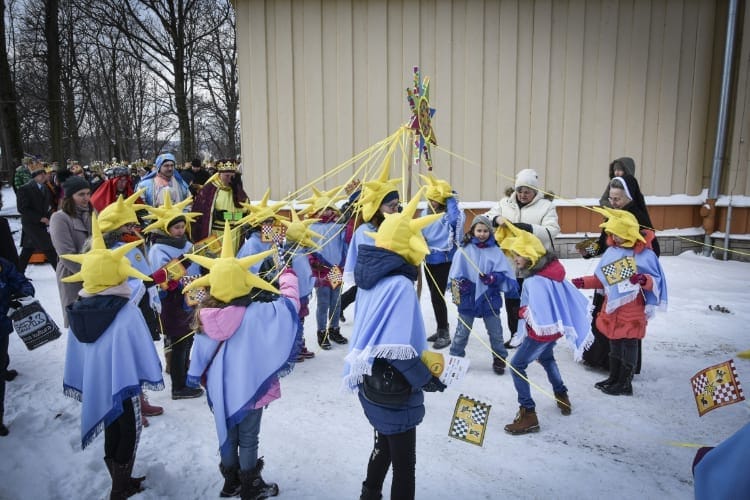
(373, 264)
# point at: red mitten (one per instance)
(172, 285)
(638, 279)
(159, 276)
(577, 282)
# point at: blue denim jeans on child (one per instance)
(328, 308)
(529, 351)
(245, 436)
(494, 329)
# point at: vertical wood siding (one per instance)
(562, 86)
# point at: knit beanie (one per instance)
(73, 184)
(527, 178)
(481, 219)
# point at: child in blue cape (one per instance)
(551, 308)
(481, 273)
(110, 358)
(384, 363)
(247, 340)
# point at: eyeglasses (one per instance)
(393, 205)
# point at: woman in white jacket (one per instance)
(528, 209)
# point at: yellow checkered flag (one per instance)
(716, 386)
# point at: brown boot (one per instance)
(524, 423)
(148, 409)
(563, 403)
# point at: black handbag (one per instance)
(32, 323)
(386, 385)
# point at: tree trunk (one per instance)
(54, 100)
(12, 144)
(181, 104)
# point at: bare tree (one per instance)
(54, 97)
(11, 129)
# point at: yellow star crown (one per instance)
(621, 223)
(229, 277)
(321, 200)
(121, 212)
(102, 268)
(401, 233)
(166, 213)
(261, 211)
(521, 243)
(437, 189)
(374, 191)
(299, 231)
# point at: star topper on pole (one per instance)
(418, 98)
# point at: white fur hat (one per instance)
(527, 177)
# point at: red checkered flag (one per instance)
(716, 386)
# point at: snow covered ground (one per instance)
(316, 440)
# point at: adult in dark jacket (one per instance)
(388, 341)
(624, 194)
(618, 168)
(33, 202)
(12, 284)
(7, 245)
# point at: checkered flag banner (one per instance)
(196, 295)
(619, 270)
(716, 386)
(469, 420)
(273, 233)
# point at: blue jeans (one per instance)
(328, 308)
(494, 329)
(529, 351)
(245, 437)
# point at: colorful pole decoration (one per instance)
(418, 98)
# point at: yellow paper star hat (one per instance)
(621, 223)
(523, 243)
(261, 211)
(401, 233)
(120, 212)
(102, 268)
(320, 200)
(437, 189)
(166, 213)
(374, 191)
(299, 231)
(228, 276)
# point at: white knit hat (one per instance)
(528, 178)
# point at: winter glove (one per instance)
(464, 286)
(153, 299)
(524, 227)
(159, 276)
(638, 279)
(434, 385)
(488, 279)
(173, 285)
(577, 282)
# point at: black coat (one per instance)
(34, 204)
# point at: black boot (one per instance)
(623, 385)
(134, 483)
(443, 339)
(3, 430)
(614, 372)
(323, 341)
(232, 484)
(253, 486)
(369, 493)
(122, 483)
(509, 343)
(335, 335)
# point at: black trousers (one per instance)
(437, 279)
(178, 366)
(4, 362)
(400, 451)
(348, 297)
(119, 436)
(26, 253)
(511, 309)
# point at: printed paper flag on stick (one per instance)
(716, 386)
(469, 420)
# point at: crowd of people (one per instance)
(181, 256)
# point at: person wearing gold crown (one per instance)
(326, 263)
(242, 363)
(119, 225)
(219, 200)
(443, 238)
(634, 286)
(169, 245)
(551, 308)
(384, 363)
(110, 358)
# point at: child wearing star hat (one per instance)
(630, 302)
(170, 242)
(387, 345)
(551, 308)
(110, 358)
(241, 362)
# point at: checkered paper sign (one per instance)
(619, 270)
(469, 420)
(196, 295)
(716, 386)
(335, 277)
(456, 291)
(273, 233)
(589, 246)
